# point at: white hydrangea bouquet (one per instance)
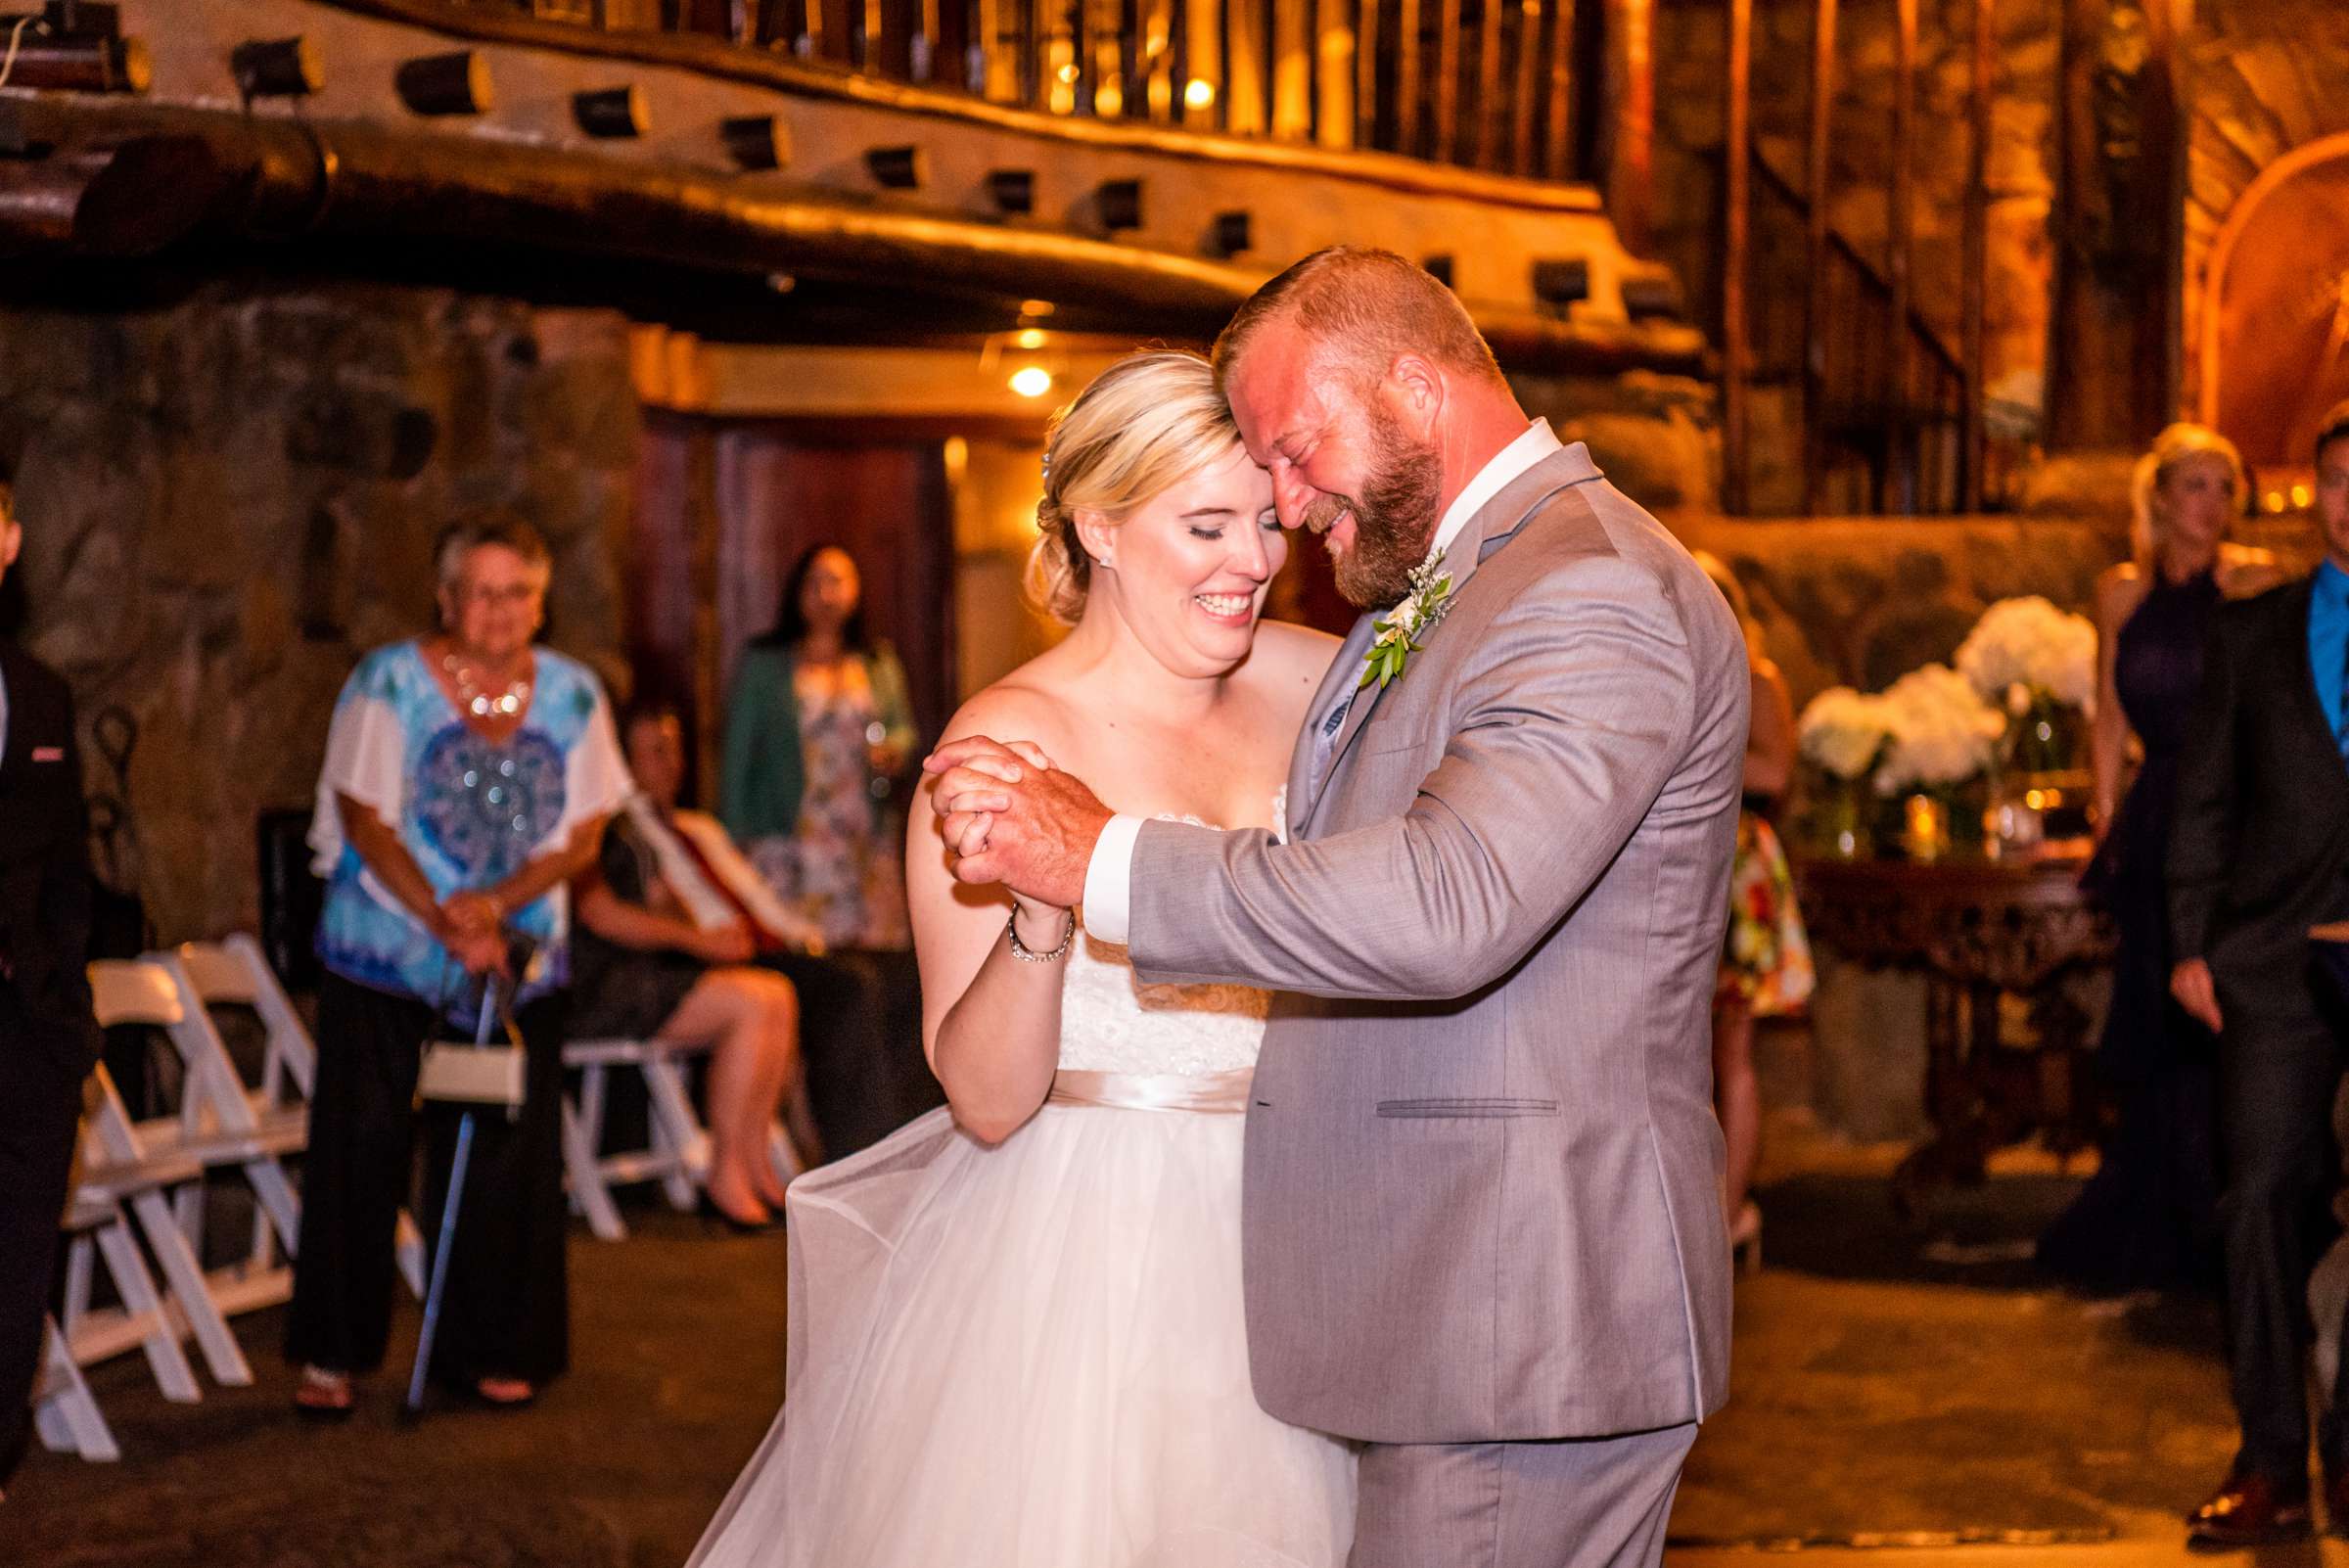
(2040, 663)
(1943, 735)
(1842, 731)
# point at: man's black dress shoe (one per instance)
(2249, 1510)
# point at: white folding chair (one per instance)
(226, 1126)
(678, 1153)
(65, 1412)
(272, 1122)
(119, 1165)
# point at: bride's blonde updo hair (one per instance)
(1144, 422)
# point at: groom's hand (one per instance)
(1030, 828)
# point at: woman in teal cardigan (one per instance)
(818, 731)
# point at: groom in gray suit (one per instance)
(1483, 1216)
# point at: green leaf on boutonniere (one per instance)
(1400, 628)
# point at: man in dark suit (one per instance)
(47, 1035)
(2258, 854)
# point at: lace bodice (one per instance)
(1110, 1022)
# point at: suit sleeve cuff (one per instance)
(1109, 879)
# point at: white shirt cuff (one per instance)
(1109, 879)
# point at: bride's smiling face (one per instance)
(1188, 568)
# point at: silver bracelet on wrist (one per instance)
(1022, 952)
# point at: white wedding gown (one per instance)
(1032, 1356)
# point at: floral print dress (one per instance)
(840, 868)
(1765, 962)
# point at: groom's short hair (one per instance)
(1369, 306)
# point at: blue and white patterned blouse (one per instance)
(472, 812)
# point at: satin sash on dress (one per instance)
(1213, 1093)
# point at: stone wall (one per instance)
(228, 498)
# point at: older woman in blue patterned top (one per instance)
(468, 778)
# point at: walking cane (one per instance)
(414, 1409)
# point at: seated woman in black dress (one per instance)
(2147, 1219)
(665, 951)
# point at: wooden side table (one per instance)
(1979, 929)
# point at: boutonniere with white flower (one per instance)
(1400, 628)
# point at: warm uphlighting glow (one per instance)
(1029, 338)
(2275, 500)
(2302, 495)
(1068, 73)
(1032, 380)
(1036, 307)
(1198, 94)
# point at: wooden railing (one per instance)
(1884, 405)
(1888, 410)
(1487, 84)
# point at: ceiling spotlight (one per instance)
(1029, 338)
(1198, 94)
(1032, 380)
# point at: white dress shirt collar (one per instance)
(1536, 443)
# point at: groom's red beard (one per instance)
(1394, 518)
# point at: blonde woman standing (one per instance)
(2149, 1217)
(1017, 1329)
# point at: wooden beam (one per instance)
(1815, 303)
(1980, 90)
(1557, 139)
(1365, 73)
(1448, 81)
(1736, 331)
(1896, 484)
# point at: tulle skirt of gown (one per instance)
(1030, 1355)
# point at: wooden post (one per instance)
(1815, 258)
(1365, 73)
(1976, 283)
(1203, 63)
(1737, 332)
(1292, 69)
(1558, 153)
(1488, 104)
(1448, 81)
(1333, 74)
(704, 526)
(1631, 125)
(1244, 108)
(1407, 78)
(1527, 87)
(1897, 484)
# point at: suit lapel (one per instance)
(2293, 626)
(16, 757)
(1494, 525)
(1305, 785)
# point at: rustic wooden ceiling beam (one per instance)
(281, 179)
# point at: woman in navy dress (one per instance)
(2148, 1219)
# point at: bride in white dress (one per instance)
(1015, 1325)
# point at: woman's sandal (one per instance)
(323, 1396)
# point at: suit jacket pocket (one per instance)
(1485, 1107)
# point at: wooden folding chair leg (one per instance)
(65, 1412)
(590, 1194)
(142, 1301)
(183, 1271)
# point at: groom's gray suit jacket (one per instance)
(1483, 1195)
